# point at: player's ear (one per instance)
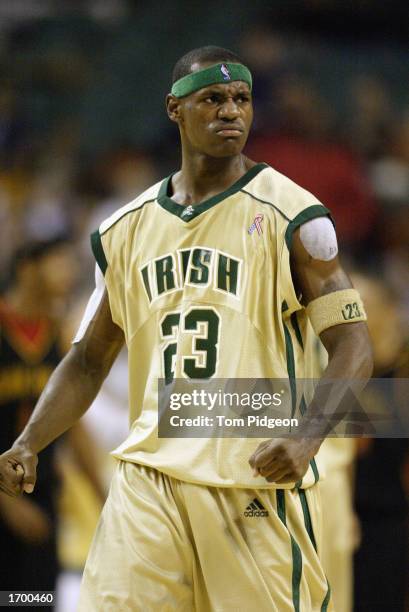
(173, 108)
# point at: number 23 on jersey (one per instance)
(203, 324)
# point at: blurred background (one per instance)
(83, 130)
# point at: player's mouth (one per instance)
(230, 131)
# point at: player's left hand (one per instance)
(283, 460)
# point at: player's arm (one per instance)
(348, 344)
(68, 394)
(317, 274)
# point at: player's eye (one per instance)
(242, 98)
(212, 99)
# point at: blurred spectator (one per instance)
(29, 352)
(390, 179)
(390, 172)
(31, 313)
(369, 119)
(14, 190)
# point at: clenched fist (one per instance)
(18, 471)
(283, 460)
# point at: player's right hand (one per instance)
(18, 471)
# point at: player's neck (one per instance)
(202, 177)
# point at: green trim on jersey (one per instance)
(327, 598)
(296, 328)
(284, 306)
(281, 505)
(291, 376)
(98, 250)
(314, 468)
(307, 516)
(291, 368)
(305, 215)
(295, 550)
(196, 209)
(310, 530)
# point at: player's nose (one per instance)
(229, 110)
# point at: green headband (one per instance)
(219, 73)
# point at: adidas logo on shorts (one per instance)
(255, 508)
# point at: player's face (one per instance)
(216, 119)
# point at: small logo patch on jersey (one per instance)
(255, 509)
(256, 225)
(188, 211)
(225, 72)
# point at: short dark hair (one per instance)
(202, 54)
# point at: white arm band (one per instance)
(92, 306)
(319, 239)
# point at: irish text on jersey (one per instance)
(199, 267)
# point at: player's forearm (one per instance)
(69, 392)
(349, 353)
(349, 368)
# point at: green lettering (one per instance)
(227, 274)
(199, 271)
(165, 275)
(185, 254)
(145, 277)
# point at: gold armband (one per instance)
(343, 306)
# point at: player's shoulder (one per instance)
(281, 193)
(145, 198)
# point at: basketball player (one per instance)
(215, 271)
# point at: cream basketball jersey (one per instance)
(206, 291)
